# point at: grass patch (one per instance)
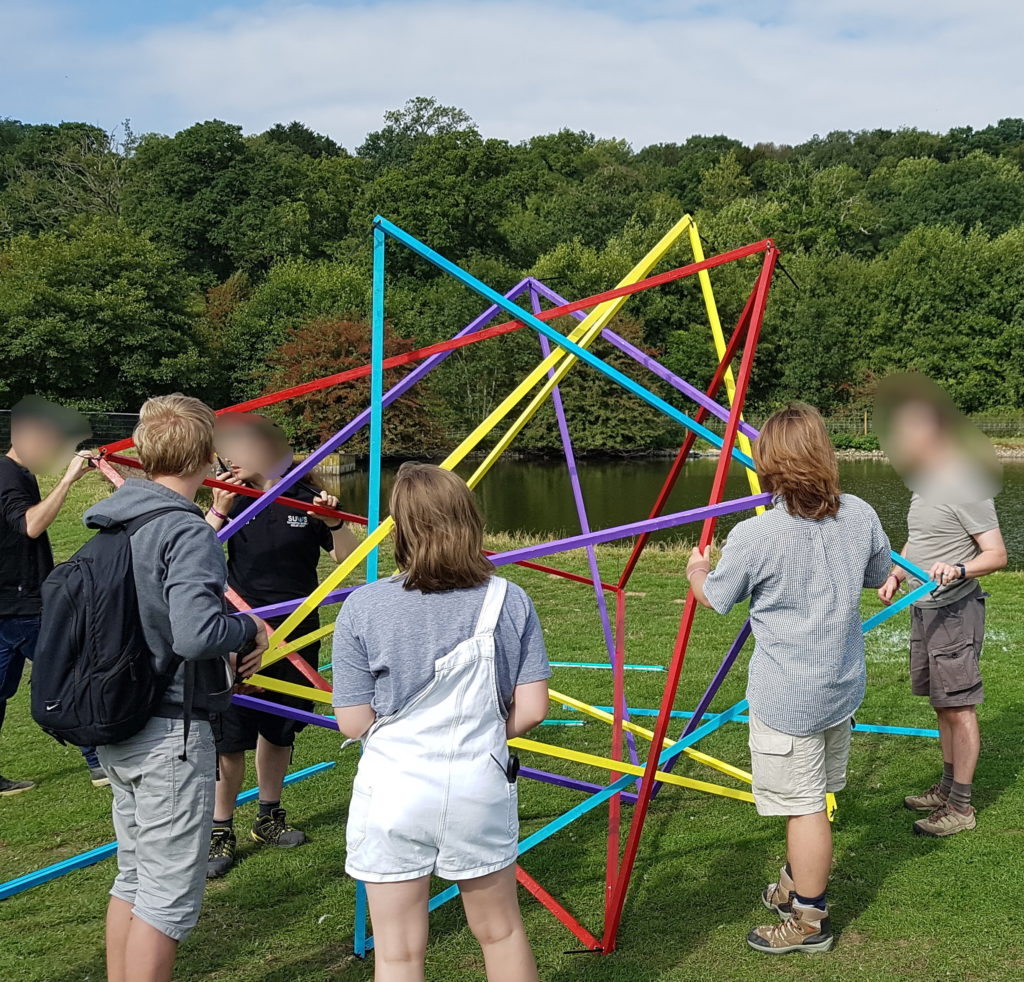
(907, 908)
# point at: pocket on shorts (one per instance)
(771, 744)
(358, 816)
(957, 668)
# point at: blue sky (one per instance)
(648, 71)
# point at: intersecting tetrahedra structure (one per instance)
(553, 368)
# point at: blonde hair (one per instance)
(174, 435)
(438, 530)
(795, 459)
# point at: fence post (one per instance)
(865, 422)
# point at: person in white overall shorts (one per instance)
(434, 670)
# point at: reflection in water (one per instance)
(536, 497)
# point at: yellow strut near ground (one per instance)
(622, 767)
(696, 755)
(377, 535)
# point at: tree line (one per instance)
(227, 265)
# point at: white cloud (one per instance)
(768, 71)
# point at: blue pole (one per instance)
(48, 873)
(376, 397)
(411, 242)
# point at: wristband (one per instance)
(893, 576)
(963, 570)
(217, 514)
(334, 528)
(697, 569)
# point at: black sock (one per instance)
(947, 778)
(226, 823)
(960, 796)
(267, 807)
(819, 901)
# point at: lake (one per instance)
(536, 497)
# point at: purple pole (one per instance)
(581, 511)
(631, 529)
(649, 363)
(570, 782)
(352, 427)
(730, 657)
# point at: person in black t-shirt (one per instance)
(271, 559)
(42, 435)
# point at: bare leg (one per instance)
(399, 915)
(149, 954)
(232, 774)
(945, 737)
(809, 851)
(119, 918)
(271, 766)
(961, 723)
(492, 909)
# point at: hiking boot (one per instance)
(9, 787)
(222, 851)
(99, 778)
(807, 929)
(274, 830)
(944, 821)
(779, 896)
(927, 801)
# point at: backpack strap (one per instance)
(133, 525)
(494, 600)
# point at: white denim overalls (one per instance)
(431, 793)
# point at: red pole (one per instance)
(742, 326)
(682, 639)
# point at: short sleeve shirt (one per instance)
(24, 562)
(804, 579)
(943, 533)
(387, 638)
(274, 557)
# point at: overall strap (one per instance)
(494, 600)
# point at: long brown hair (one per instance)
(795, 459)
(439, 533)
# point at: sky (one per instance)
(647, 71)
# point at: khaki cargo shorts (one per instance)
(945, 652)
(792, 774)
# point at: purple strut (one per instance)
(352, 427)
(581, 511)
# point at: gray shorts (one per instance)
(163, 816)
(945, 652)
(793, 774)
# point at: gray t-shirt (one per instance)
(804, 579)
(387, 638)
(941, 533)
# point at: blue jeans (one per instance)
(18, 637)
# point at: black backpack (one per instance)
(94, 680)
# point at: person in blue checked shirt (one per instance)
(803, 565)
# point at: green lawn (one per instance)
(906, 908)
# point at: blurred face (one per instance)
(917, 439)
(40, 446)
(250, 456)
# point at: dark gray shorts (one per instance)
(945, 652)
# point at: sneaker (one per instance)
(779, 896)
(99, 778)
(9, 787)
(807, 929)
(274, 830)
(222, 852)
(944, 821)
(927, 801)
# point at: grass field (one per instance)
(906, 908)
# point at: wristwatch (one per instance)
(963, 570)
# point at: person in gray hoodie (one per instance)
(163, 782)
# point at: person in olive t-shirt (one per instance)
(271, 559)
(42, 434)
(953, 534)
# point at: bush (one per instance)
(855, 441)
